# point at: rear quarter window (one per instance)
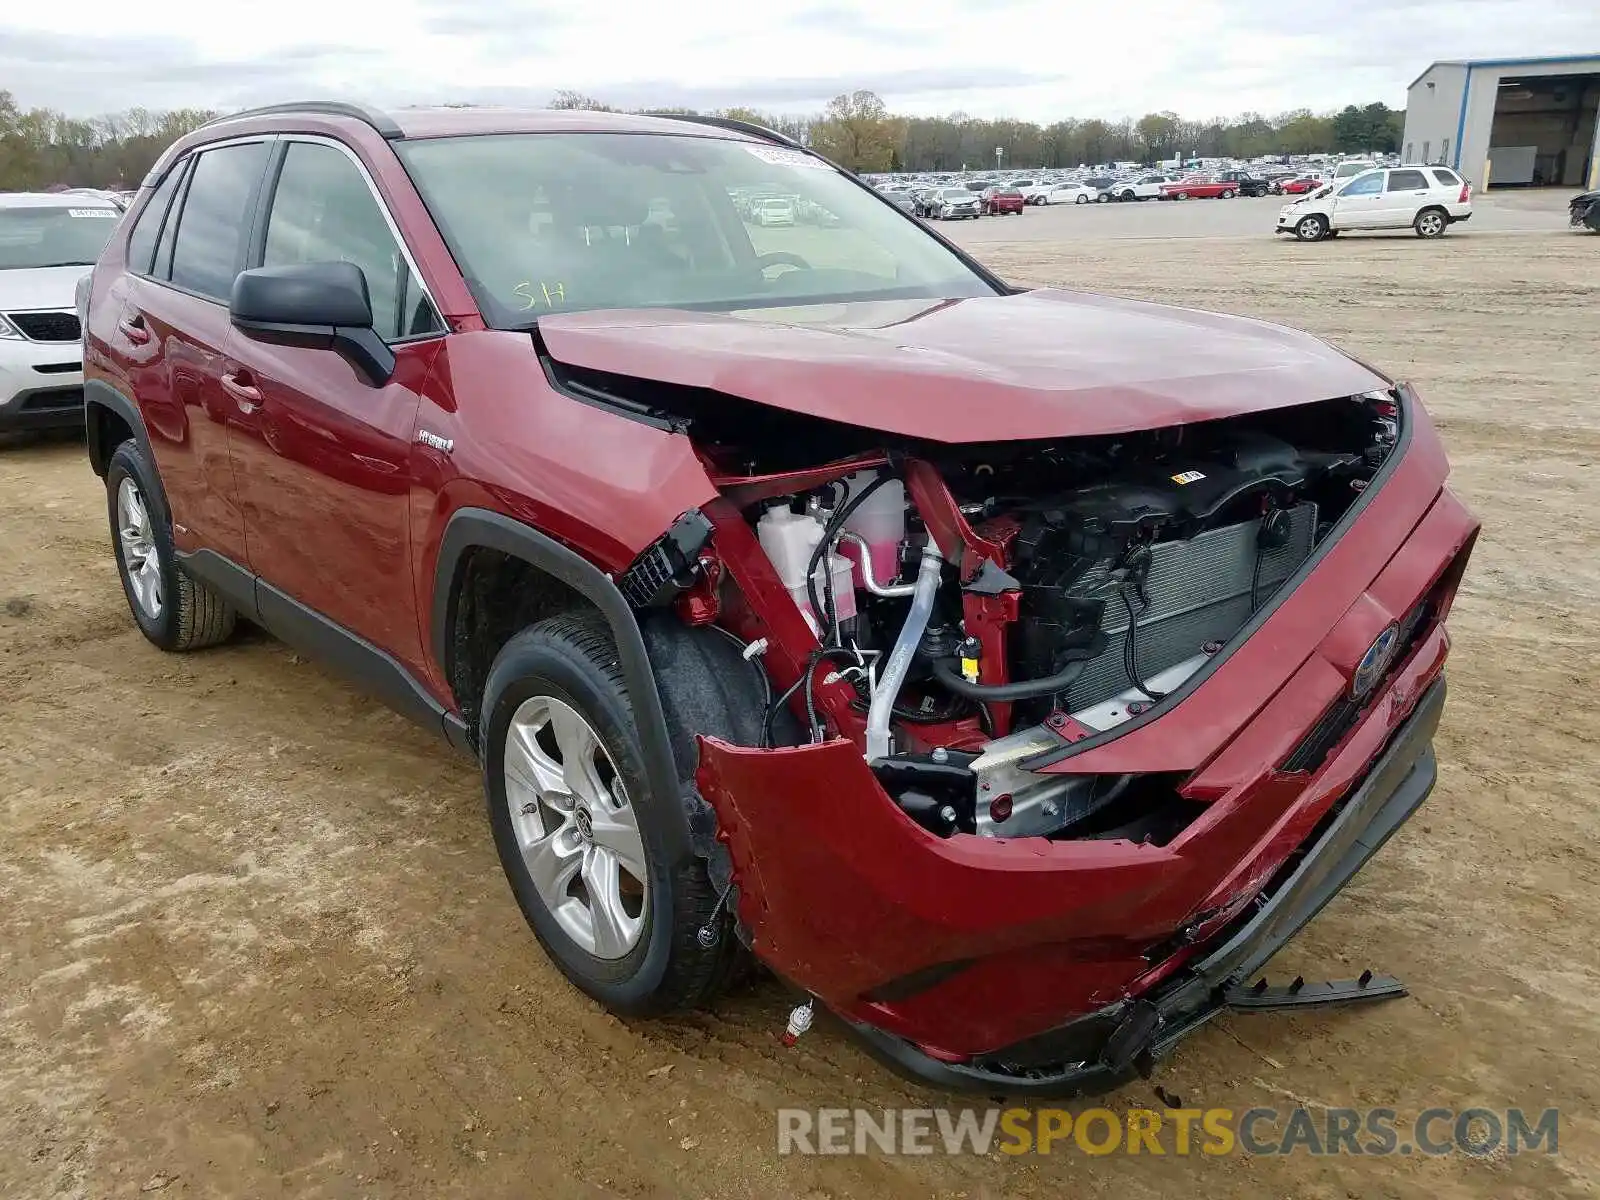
(1446, 177)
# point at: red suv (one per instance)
(1012, 672)
(997, 201)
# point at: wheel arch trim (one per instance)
(480, 528)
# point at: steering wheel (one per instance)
(781, 258)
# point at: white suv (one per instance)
(1426, 199)
(47, 243)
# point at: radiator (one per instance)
(1199, 592)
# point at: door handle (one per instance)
(245, 394)
(133, 328)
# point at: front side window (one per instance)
(554, 222)
(1364, 185)
(54, 236)
(1407, 181)
(323, 211)
(209, 251)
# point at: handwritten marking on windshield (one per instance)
(534, 294)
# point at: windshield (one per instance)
(53, 236)
(550, 222)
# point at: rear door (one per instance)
(172, 327)
(1406, 193)
(322, 456)
(1360, 204)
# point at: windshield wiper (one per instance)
(43, 266)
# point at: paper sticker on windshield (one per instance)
(780, 157)
(92, 212)
(1188, 477)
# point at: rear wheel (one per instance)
(1431, 223)
(582, 838)
(173, 610)
(1311, 229)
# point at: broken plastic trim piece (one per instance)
(666, 566)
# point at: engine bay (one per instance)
(969, 608)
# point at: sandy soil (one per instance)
(254, 940)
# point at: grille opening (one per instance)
(1150, 811)
(53, 400)
(46, 326)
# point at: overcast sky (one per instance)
(1036, 59)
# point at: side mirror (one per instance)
(321, 306)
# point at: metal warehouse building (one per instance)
(1501, 122)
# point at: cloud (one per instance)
(1036, 59)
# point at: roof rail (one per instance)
(380, 121)
(729, 123)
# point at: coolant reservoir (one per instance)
(789, 539)
(881, 522)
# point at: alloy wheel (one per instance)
(141, 561)
(576, 827)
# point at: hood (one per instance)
(1039, 364)
(22, 288)
(1586, 197)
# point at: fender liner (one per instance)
(470, 528)
(97, 392)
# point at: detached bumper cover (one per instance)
(1104, 1049)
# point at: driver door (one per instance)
(1360, 204)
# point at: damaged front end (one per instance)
(1065, 737)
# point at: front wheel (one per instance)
(1430, 223)
(585, 843)
(1311, 229)
(1227, 193)
(173, 610)
(1082, 198)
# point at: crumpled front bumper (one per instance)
(1104, 1049)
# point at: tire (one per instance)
(1311, 228)
(1082, 199)
(1431, 223)
(1181, 196)
(172, 609)
(1103, 198)
(636, 964)
(1227, 194)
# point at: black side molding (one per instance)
(478, 527)
(347, 653)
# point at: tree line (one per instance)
(41, 148)
(858, 131)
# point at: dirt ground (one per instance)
(254, 940)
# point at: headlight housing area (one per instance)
(8, 331)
